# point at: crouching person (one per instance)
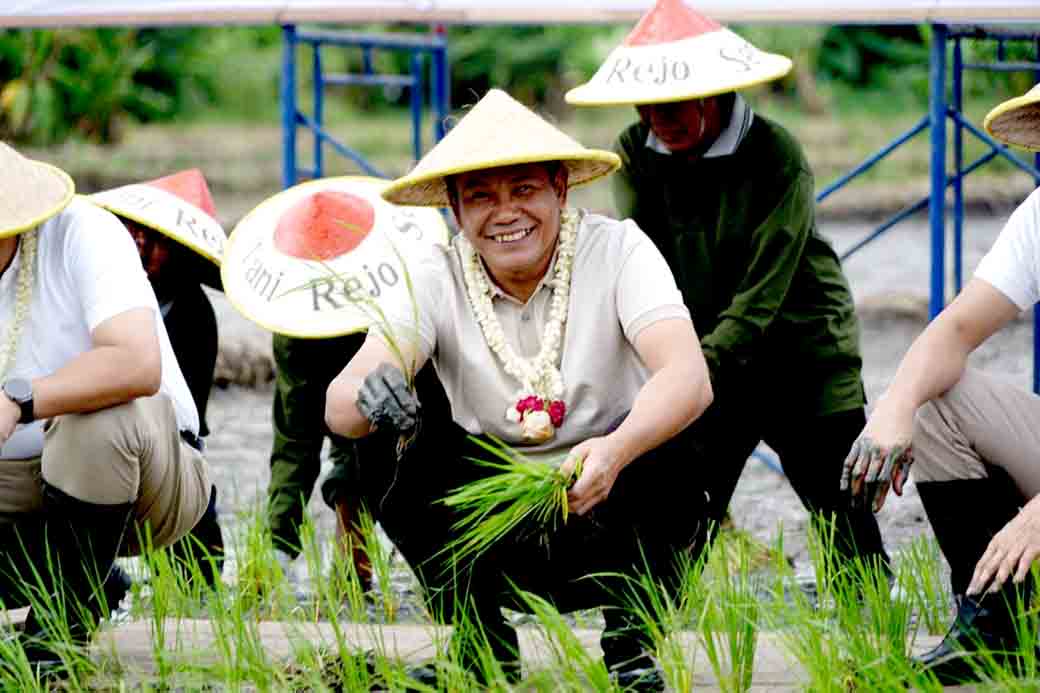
(97, 426)
(534, 302)
(972, 440)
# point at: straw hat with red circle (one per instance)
(179, 206)
(676, 54)
(317, 260)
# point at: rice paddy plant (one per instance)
(572, 667)
(920, 577)
(519, 494)
(665, 614)
(808, 635)
(382, 566)
(729, 617)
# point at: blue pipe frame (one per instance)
(418, 47)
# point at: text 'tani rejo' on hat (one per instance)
(676, 54)
(31, 192)
(1017, 120)
(497, 131)
(179, 206)
(316, 259)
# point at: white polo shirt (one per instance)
(620, 284)
(1012, 265)
(87, 271)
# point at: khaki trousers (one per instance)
(131, 453)
(980, 419)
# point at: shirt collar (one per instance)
(727, 141)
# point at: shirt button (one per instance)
(525, 317)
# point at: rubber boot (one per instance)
(83, 540)
(965, 515)
(349, 538)
(203, 546)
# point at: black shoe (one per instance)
(981, 634)
(639, 679)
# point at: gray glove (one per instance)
(387, 402)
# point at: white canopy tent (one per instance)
(58, 13)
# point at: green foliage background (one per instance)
(89, 83)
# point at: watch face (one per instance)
(18, 389)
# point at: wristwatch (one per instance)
(19, 391)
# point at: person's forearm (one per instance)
(672, 399)
(342, 415)
(105, 376)
(934, 363)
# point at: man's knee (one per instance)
(941, 449)
(95, 457)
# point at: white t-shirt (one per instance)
(620, 284)
(87, 271)
(1012, 265)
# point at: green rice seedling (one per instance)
(665, 613)
(805, 633)
(874, 628)
(520, 494)
(729, 618)
(920, 577)
(572, 667)
(382, 566)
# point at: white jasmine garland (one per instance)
(539, 377)
(23, 295)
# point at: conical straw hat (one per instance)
(31, 192)
(178, 206)
(1017, 120)
(497, 131)
(294, 262)
(675, 54)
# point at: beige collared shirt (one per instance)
(620, 284)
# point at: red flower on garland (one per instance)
(557, 410)
(527, 404)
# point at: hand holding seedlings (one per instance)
(598, 466)
(386, 400)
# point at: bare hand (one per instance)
(10, 414)
(600, 465)
(386, 400)
(1010, 553)
(879, 459)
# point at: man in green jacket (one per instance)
(728, 198)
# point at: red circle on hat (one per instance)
(324, 226)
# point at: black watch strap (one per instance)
(20, 392)
(27, 411)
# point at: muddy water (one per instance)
(890, 282)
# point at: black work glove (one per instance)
(387, 402)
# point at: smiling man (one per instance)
(560, 332)
(727, 196)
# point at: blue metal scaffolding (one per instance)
(418, 47)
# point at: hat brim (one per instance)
(1017, 121)
(708, 64)
(592, 95)
(53, 191)
(289, 310)
(429, 190)
(162, 213)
